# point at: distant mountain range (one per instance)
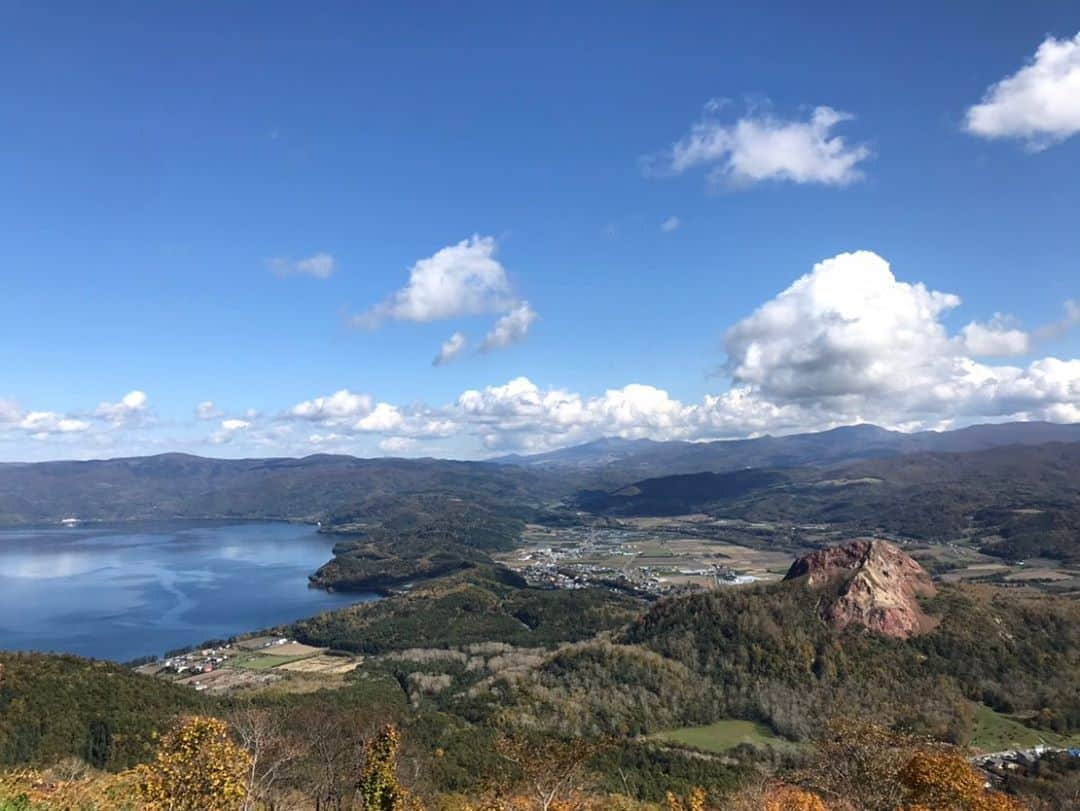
(321, 487)
(629, 459)
(339, 488)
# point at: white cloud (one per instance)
(848, 342)
(430, 424)
(206, 410)
(132, 406)
(229, 429)
(760, 147)
(345, 414)
(522, 416)
(1040, 103)
(670, 224)
(44, 423)
(397, 444)
(847, 328)
(319, 266)
(383, 418)
(450, 349)
(339, 406)
(130, 411)
(458, 280)
(511, 328)
(997, 338)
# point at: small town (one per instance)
(640, 560)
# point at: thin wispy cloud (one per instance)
(318, 266)
(450, 349)
(1059, 327)
(511, 328)
(206, 410)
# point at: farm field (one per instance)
(265, 661)
(995, 732)
(724, 735)
(321, 664)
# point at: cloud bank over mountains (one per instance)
(131, 410)
(847, 342)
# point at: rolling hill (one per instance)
(1016, 501)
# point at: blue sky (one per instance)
(208, 203)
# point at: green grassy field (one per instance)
(263, 661)
(725, 735)
(995, 732)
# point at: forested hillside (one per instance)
(1015, 502)
(312, 488)
(57, 706)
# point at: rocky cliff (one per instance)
(877, 586)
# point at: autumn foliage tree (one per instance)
(68, 786)
(945, 781)
(197, 768)
(867, 766)
(695, 801)
(378, 787)
(858, 763)
(552, 774)
(791, 798)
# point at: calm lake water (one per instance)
(118, 592)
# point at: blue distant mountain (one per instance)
(647, 457)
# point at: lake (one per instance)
(123, 591)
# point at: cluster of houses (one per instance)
(554, 573)
(207, 660)
(1001, 764)
(198, 661)
(563, 565)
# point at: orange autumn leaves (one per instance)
(198, 767)
(946, 781)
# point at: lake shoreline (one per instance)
(121, 591)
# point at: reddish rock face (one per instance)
(880, 586)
